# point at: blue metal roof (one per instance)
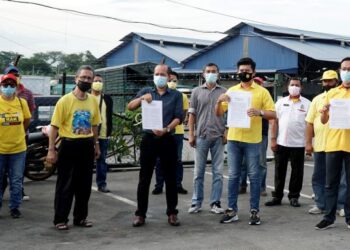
(280, 31)
(316, 50)
(175, 52)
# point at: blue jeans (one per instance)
(236, 152)
(101, 166)
(263, 166)
(319, 182)
(179, 168)
(14, 165)
(335, 162)
(216, 148)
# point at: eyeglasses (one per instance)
(12, 85)
(85, 78)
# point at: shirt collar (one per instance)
(253, 85)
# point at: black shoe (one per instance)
(157, 191)
(324, 225)
(15, 213)
(294, 202)
(103, 190)
(273, 202)
(181, 190)
(242, 190)
(138, 221)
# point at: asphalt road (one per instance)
(282, 227)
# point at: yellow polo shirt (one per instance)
(12, 134)
(179, 129)
(337, 139)
(75, 117)
(314, 117)
(261, 99)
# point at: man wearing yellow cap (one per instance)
(105, 129)
(315, 129)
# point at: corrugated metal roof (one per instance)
(315, 50)
(279, 30)
(177, 53)
(154, 37)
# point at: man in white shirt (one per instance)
(290, 145)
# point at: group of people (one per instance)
(298, 126)
(83, 121)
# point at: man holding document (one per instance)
(336, 110)
(161, 113)
(247, 103)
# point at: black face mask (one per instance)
(84, 86)
(327, 88)
(245, 77)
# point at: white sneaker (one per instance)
(216, 209)
(341, 212)
(25, 198)
(315, 210)
(194, 209)
(348, 226)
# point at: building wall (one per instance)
(122, 56)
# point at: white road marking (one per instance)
(269, 187)
(118, 197)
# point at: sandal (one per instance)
(61, 226)
(83, 223)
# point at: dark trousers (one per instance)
(74, 178)
(334, 164)
(179, 169)
(151, 148)
(296, 157)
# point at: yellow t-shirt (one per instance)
(261, 99)
(179, 129)
(103, 131)
(337, 139)
(75, 117)
(314, 117)
(12, 134)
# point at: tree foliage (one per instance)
(50, 63)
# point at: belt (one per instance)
(78, 139)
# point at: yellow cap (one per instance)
(97, 86)
(329, 75)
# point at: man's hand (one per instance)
(309, 149)
(147, 97)
(159, 132)
(51, 157)
(253, 112)
(273, 145)
(223, 98)
(192, 140)
(97, 151)
(325, 109)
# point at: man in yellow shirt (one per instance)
(179, 138)
(318, 131)
(76, 118)
(337, 150)
(245, 142)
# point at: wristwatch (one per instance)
(262, 113)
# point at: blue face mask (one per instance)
(160, 81)
(345, 75)
(9, 91)
(211, 78)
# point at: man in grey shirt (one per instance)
(206, 132)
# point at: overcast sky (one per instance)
(27, 29)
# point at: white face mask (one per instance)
(294, 90)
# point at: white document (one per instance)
(339, 114)
(238, 106)
(152, 115)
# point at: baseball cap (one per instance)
(329, 75)
(9, 76)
